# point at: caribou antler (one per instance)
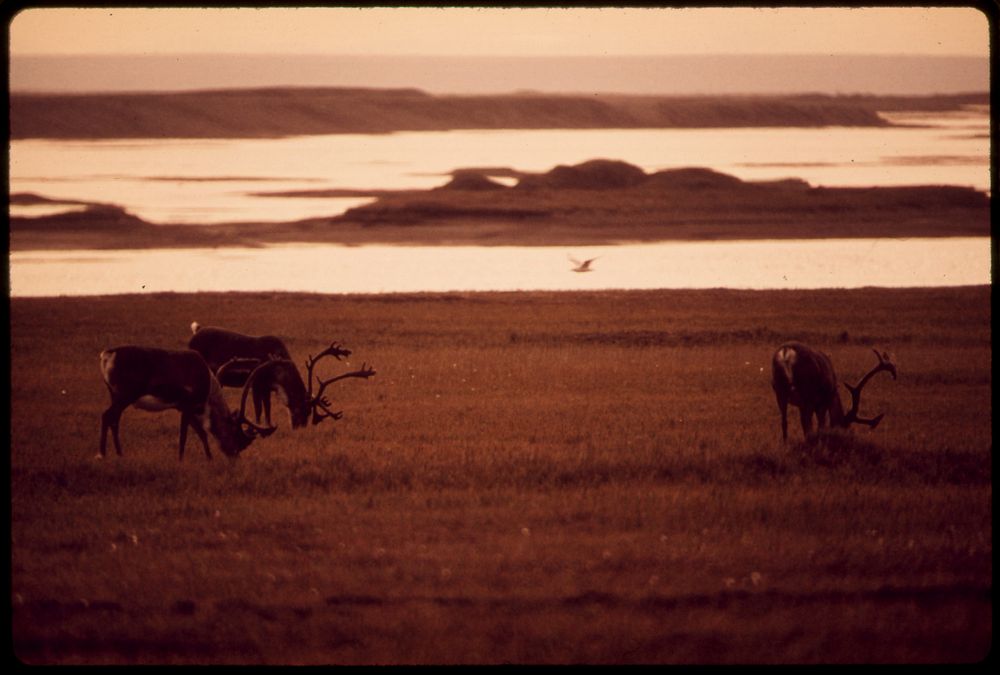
(320, 402)
(364, 372)
(884, 364)
(326, 412)
(334, 350)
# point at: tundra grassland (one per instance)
(529, 478)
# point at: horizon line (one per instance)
(502, 56)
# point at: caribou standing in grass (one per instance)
(159, 379)
(804, 377)
(233, 356)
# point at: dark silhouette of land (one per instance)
(665, 75)
(264, 113)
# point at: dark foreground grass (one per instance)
(529, 478)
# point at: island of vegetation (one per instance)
(597, 202)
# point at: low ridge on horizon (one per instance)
(722, 74)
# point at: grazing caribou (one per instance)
(804, 377)
(217, 346)
(233, 356)
(159, 379)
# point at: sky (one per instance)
(611, 31)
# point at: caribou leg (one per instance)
(266, 402)
(193, 420)
(203, 437)
(806, 415)
(261, 402)
(783, 408)
(199, 430)
(110, 419)
(258, 404)
(185, 422)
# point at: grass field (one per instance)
(529, 478)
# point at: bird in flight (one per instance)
(582, 266)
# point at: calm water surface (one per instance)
(213, 181)
(325, 268)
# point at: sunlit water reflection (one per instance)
(219, 180)
(328, 268)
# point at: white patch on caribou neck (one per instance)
(153, 403)
(107, 365)
(786, 358)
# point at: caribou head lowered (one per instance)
(159, 379)
(805, 378)
(233, 356)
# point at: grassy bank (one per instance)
(548, 477)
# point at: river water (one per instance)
(218, 180)
(326, 268)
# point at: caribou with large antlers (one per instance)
(158, 379)
(804, 377)
(233, 356)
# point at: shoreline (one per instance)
(504, 296)
(209, 237)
